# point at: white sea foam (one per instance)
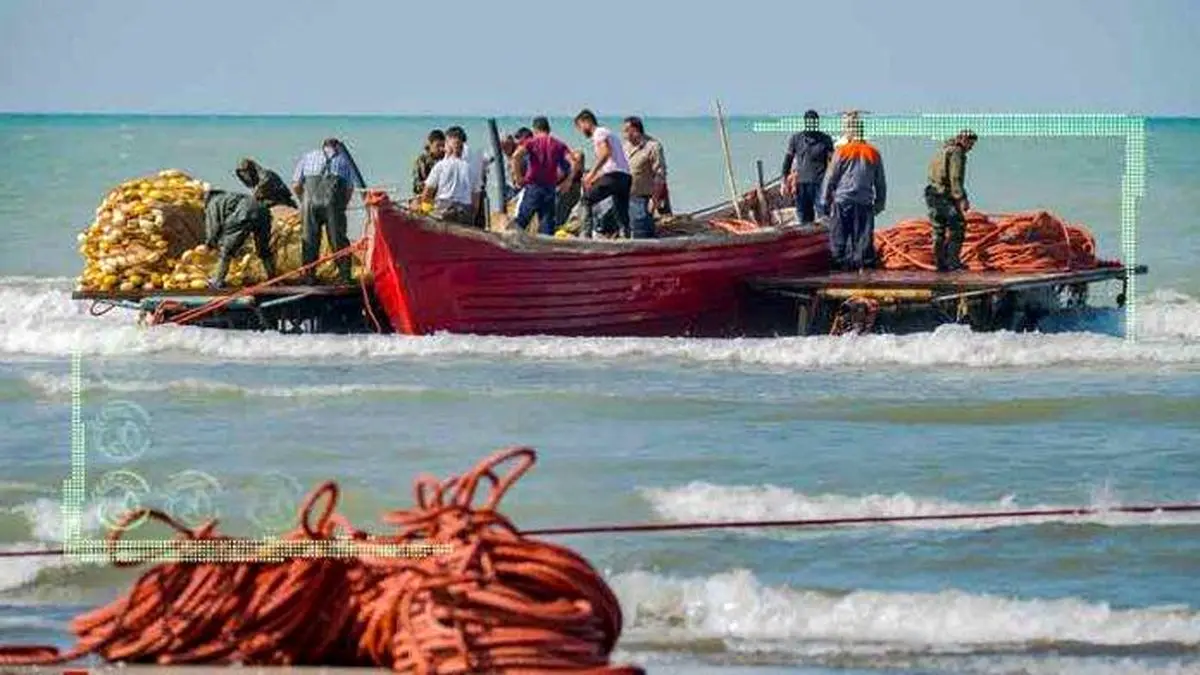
(38, 318)
(44, 519)
(746, 615)
(60, 386)
(701, 501)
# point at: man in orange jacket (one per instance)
(855, 191)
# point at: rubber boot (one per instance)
(953, 249)
(939, 250)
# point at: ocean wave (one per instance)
(742, 614)
(700, 501)
(60, 386)
(38, 318)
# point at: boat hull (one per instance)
(432, 277)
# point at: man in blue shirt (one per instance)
(324, 180)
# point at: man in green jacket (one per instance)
(268, 188)
(230, 218)
(947, 200)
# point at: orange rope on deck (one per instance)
(1037, 241)
(218, 303)
(498, 602)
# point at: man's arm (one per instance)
(514, 163)
(659, 159)
(832, 176)
(418, 181)
(880, 188)
(955, 175)
(212, 224)
(429, 190)
(789, 155)
(603, 154)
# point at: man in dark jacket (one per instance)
(268, 188)
(230, 218)
(811, 150)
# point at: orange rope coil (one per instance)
(1036, 241)
(497, 602)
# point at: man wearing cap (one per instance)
(268, 188)
(811, 150)
(947, 200)
(854, 192)
(324, 180)
(230, 218)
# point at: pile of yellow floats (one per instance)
(140, 228)
(149, 235)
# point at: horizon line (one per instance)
(380, 115)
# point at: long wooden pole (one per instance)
(737, 207)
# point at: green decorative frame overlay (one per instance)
(1132, 129)
(79, 547)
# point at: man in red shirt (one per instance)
(544, 156)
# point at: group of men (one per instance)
(323, 181)
(548, 178)
(844, 182)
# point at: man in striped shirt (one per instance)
(324, 180)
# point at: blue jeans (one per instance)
(806, 200)
(640, 218)
(852, 236)
(538, 199)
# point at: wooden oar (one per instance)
(737, 207)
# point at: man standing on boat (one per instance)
(269, 189)
(609, 176)
(856, 189)
(324, 180)
(947, 200)
(811, 150)
(230, 218)
(648, 169)
(849, 119)
(448, 184)
(478, 163)
(538, 162)
(434, 151)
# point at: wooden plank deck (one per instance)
(954, 282)
(269, 292)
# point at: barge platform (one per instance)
(286, 309)
(903, 301)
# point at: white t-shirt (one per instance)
(478, 163)
(452, 178)
(617, 161)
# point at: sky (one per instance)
(655, 57)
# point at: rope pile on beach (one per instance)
(487, 600)
(1036, 241)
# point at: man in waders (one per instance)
(324, 180)
(947, 200)
(230, 218)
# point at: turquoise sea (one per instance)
(656, 430)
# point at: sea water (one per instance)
(653, 429)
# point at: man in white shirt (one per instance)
(608, 177)
(477, 161)
(449, 185)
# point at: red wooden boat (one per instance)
(431, 276)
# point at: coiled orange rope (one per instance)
(497, 602)
(1024, 242)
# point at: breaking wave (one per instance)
(38, 319)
